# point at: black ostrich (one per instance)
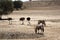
(22, 19)
(28, 19)
(10, 22)
(9, 19)
(40, 26)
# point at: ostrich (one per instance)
(10, 22)
(22, 19)
(28, 19)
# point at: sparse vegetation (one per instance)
(6, 7)
(18, 5)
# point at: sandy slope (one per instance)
(26, 32)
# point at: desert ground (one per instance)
(16, 31)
